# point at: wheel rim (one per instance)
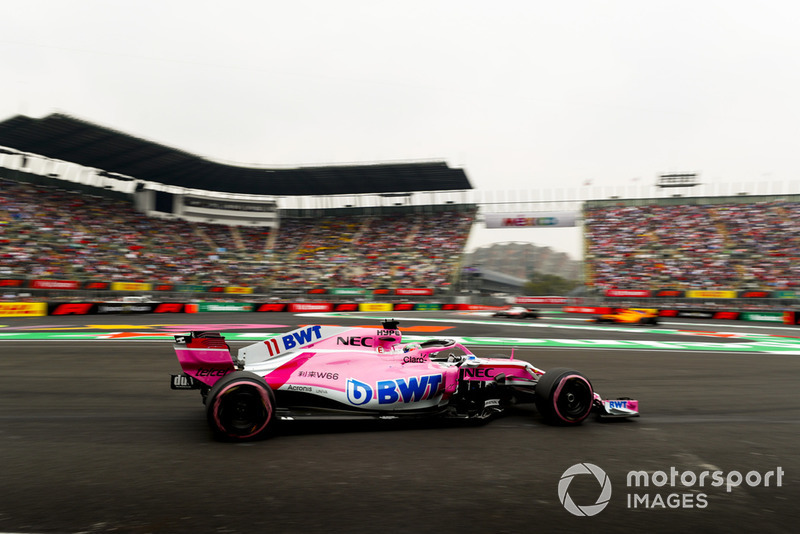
(573, 398)
(242, 410)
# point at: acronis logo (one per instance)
(406, 390)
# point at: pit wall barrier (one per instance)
(111, 286)
(105, 308)
(40, 309)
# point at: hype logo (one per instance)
(358, 393)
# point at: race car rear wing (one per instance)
(204, 356)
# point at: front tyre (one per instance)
(240, 406)
(564, 396)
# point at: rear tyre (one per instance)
(564, 396)
(240, 406)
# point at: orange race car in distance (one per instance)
(630, 316)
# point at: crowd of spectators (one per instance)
(731, 246)
(47, 233)
(388, 251)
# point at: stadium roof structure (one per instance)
(66, 138)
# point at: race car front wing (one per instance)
(616, 408)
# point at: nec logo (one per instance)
(355, 341)
(477, 372)
(406, 390)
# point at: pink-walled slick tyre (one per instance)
(564, 396)
(240, 406)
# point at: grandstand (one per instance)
(86, 220)
(86, 207)
(721, 246)
(51, 233)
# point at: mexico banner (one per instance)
(531, 220)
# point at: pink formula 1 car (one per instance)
(337, 372)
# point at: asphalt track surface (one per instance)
(93, 440)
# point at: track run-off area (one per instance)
(93, 440)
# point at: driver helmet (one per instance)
(411, 346)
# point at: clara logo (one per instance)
(584, 469)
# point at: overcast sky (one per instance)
(523, 95)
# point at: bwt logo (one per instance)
(358, 392)
(294, 339)
(412, 389)
(301, 337)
